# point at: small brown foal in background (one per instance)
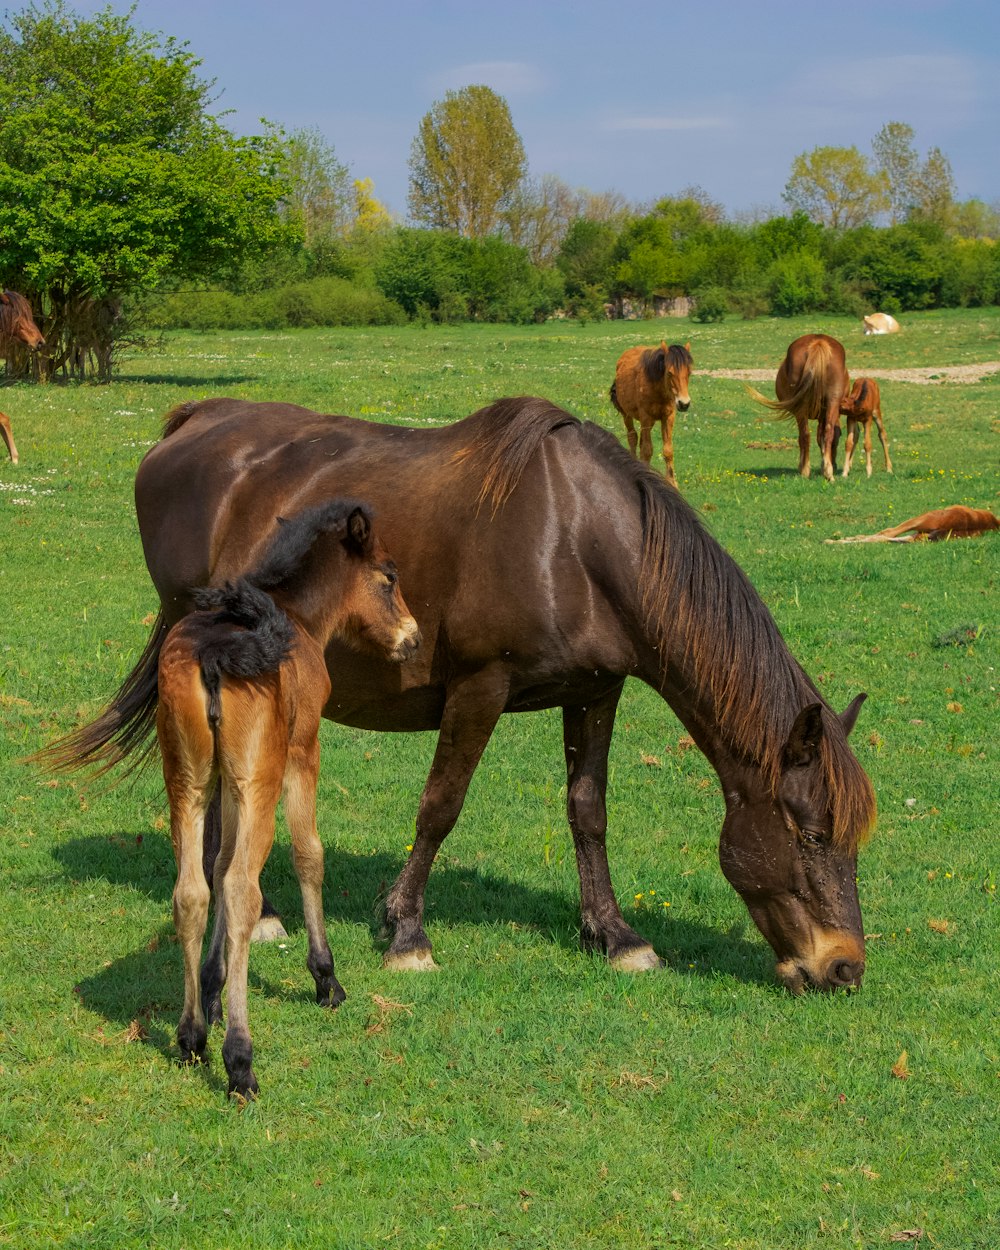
(864, 405)
(242, 685)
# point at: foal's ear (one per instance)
(850, 713)
(803, 742)
(359, 528)
(4, 298)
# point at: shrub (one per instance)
(711, 303)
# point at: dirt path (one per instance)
(924, 377)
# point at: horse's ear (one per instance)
(359, 528)
(4, 298)
(687, 346)
(803, 742)
(850, 713)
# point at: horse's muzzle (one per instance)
(683, 405)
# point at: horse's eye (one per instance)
(813, 837)
(391, 576)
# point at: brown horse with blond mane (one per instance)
(650, 384)
(242, 683)
(545, 566)
(811, 384)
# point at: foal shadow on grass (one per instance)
(148, 982)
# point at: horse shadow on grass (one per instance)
(221, 380)
(146, 984)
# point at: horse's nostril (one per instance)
(845, 972)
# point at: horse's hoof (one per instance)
(641, 959)
(410, 961)
(268, 929)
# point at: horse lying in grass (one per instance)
(650, 384)
(546, 565)
(862, 406)
(811, 383)
(881, 323)
(242, 683)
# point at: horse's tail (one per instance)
(613, 396)
(245, 635)
(126, 727)
(808, 400)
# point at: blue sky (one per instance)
(638, 97)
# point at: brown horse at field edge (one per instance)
(811, 383)
(545, 565)
(650, 384)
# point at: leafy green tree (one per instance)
(320, 194)
(934, 198)
(835, 187)
(466, 163)
(897, 159)
(114, 177)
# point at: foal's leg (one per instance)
(301, 776)
(883, 439)
(213, 970)
(7, 434)
(667, 434)
(186, 749)
(258, 801)
(472, 708)
(852, 438)
(587, 740)
(868, 446)
(269, 927)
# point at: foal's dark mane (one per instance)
(656, 362)
(700, 609)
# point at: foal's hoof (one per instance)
(268, 929)
(410, 961)
(639, 959)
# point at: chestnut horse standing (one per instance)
(17, 326)
(864, 405)
(650, 384)
(811, 383)
(545, 566)
(242, 683)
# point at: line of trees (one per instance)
(125, 202)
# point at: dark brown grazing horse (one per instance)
(811, 383)
(7, 434)
(17, 326)
(544, 565)
(242, 684)
(650, 384)
(864, 405)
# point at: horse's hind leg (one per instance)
(587, 740)
(7, 434)
(301, 777)
(257, 803)
(645, 440)
(868, 447)
(633, 438)
(269, 927)
(186, 749)
(472, 708)
(803, 425)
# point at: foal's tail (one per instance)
(125, 728)
(613, 396)
(260, 642)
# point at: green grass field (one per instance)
(525, 1097)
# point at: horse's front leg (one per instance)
(587, 740)
(473, 705)
(667, 434)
